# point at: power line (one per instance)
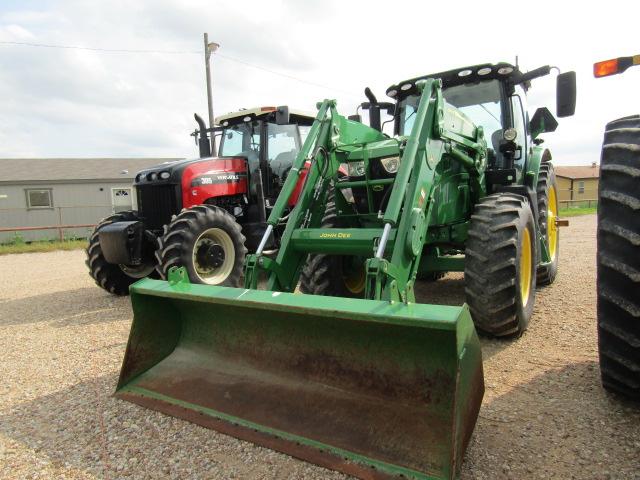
(177, 52)
(258, 67)
(93, 49)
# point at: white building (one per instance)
(37, 192)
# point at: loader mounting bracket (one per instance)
(255, 263)
(178, 276)
(381, 275)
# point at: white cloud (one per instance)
(71, 102)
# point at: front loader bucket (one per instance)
(371, 388)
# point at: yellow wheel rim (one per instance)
(354, 278)
(552, 228)
(526, 266)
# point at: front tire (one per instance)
(500, 265)
(619, 258)
(547, 191)
(208, 242)
(114, 278)
(333, 275)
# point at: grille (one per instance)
(156, 204)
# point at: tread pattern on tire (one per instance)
(619, 258)
(318, 276)
(546, 274)
(174, 246)
(107, 275)
(491, 264)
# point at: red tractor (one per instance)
(203, 214)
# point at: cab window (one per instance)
(304, 132)
(282, 142)
(518, 113)
(232, 140)
(480, 102)
(242, 139)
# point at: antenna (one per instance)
(516, 61)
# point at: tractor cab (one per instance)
(269, 138)
(493, 97)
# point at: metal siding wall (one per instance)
(564, 188)
(73, 203)
(590, 189)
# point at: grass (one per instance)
(575, 211)
(20, 246)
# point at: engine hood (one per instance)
(173, 171)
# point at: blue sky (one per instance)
(58, 102)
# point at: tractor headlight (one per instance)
(390, 164)
(356, 169)
(164, 175)
(510, 134)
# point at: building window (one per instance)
(580, 187)
(39, 198)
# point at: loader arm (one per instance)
(407, 215)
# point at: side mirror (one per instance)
(541, 122)
(282, 115)
(566, 94)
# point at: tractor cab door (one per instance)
(519, 120)
(283, 143)
(243, 140)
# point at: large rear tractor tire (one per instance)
(500, 265)
(547, 215)
(619, 258)
(115, 278)
(333, 275)
(208, 242)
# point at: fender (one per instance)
(213, 178)
(539, 155)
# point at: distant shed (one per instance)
(65, 191)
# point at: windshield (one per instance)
(480, 102)
(240, 140)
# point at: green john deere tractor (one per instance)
(353, 374)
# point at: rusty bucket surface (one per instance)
(370, 388)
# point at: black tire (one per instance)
(110, 276)
(619, 258)
(204, 227)
(330, 275)
(547, 191)
(499, 227)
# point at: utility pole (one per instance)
(209, 48)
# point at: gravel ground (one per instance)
(62, 339)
